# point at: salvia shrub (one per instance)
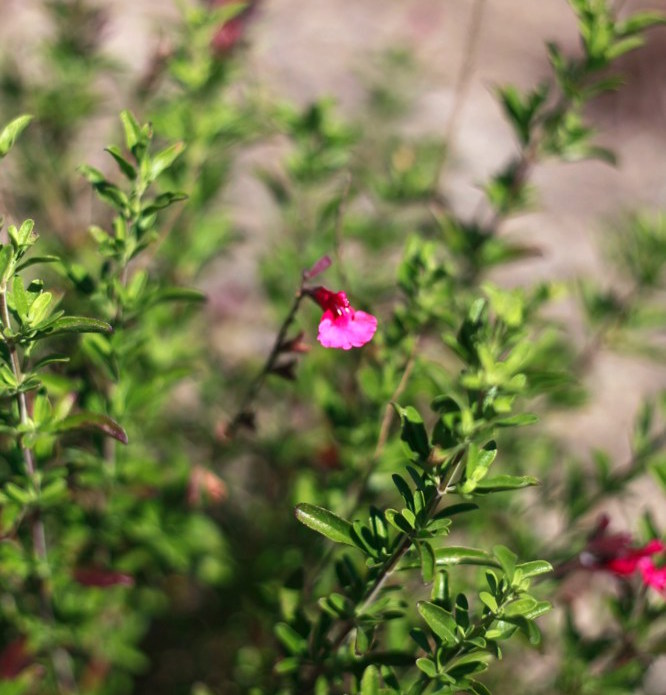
(322, 463)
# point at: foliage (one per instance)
(154, 452)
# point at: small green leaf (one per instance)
(6, 266)
(370, 681)
(414, 432)
(125, 167)
(520, 420)
(501, 483)
(427, 666)
(534, 568)
(507, 560)
(20, 298)
(133, 134)
(164, 159)
(11, 131)
(293, 642)
(458, 555)
(93, 421)
(39, 308)
(521, 606)
(163, 201)
(489, 600)
(49, 359)
(427, 561)
(34, 260)
(441, 622)
(322, 521)
(76, 324)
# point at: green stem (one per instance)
(61, 660)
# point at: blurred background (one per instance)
(388, 72)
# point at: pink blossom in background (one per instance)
(615, 552)
(341, 326)
(653, 576)
(232, 31)
(628, 561)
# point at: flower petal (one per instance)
(347, 330)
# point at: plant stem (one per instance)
(61, 660)
(404, 543)
(242, 413)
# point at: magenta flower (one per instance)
(653, 576)
(615, 552)
(341, 326)
(629, 559)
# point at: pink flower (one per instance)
(615, 552)
(341, 326)
(231, 32)
(630, 559)
(653, 576)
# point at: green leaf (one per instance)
(133, 133)
(459, 555)
(93, 421)
(427, 666)
(478, 688)
(34, 260)
(20, 298)
(404, 490)
(638, 22)
(39, 308)
(501, 483)
(163, 201)
(517, 420)
(6, 258)
(322, 521)
(76, 324)
(164, 159)
(624, 46)
(427, 561)
(49, 359)
(507, 560)
(534, 568)
(370, 681)
(11, 131)
(441, 622)
(18, 494)
(125, 167)
(521, 606)
(489, 600)
(293, 642)
(413, 431)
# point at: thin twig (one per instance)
(242, 412)
(464, 78)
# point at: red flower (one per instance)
(341, 326)
(653, 576)
(615, 552)
(232, 31)
(629, 560)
